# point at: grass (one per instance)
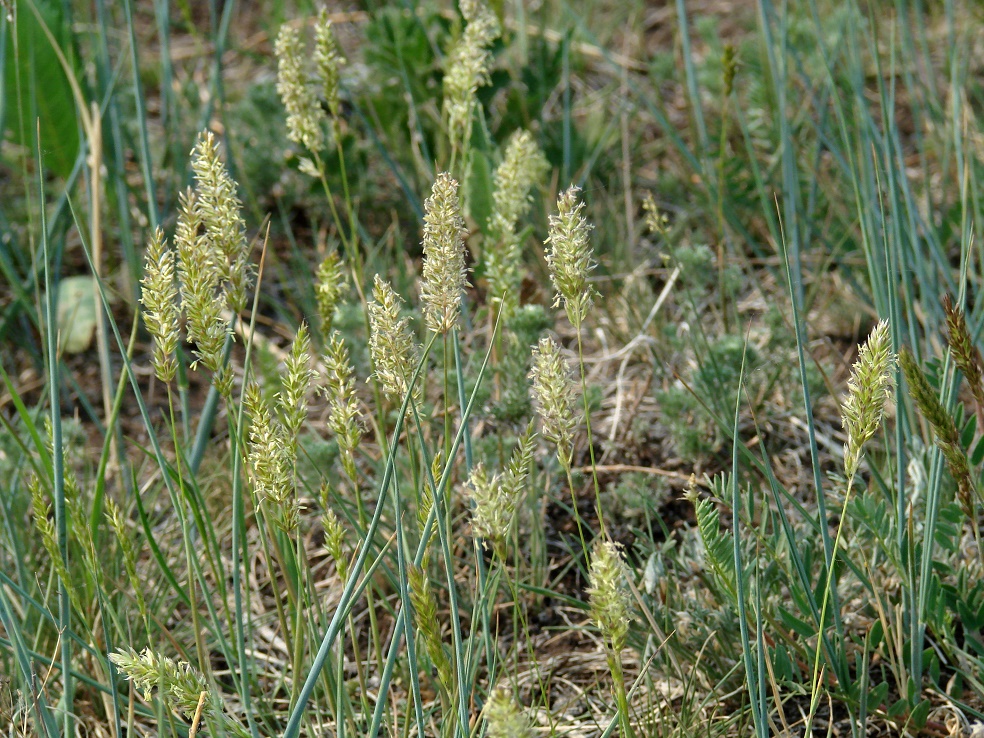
(341, 510)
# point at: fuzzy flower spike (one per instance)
(555, 397)
(160, 300)
(608, 595)
(569, 257)
(869, 389)
(444, 273)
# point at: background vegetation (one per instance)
(311, 551)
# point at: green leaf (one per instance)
(37, 92)
(917, 719)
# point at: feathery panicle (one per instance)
(295, 384)
(608, 595)
(656, 220)
(944, 428)
(331, 285)
(504, 718)
(522, 166)
(467, 67)
(520, 463)
(490, 517)
(869, 389)
(391, 344)
(220, 211)
(269, 461)
(496, 498)
(966, 355)
(444, 274)
(304, 113)
(117, 521)
(555, 397)
(203, 304)
(425, 609)
(160, 300)
(180, 685)
(334, 534)
(569, 257)
(328, 60)
(45, 524)
(344, 418)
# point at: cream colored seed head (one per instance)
(160, 300)
(180, 685)
(344, 418)
(869, 390)
(304, 114)
(555, 397)
(504, 718)
(444, 274)
(394, 352)
(569, 257)
(467, 67)
(608, 595)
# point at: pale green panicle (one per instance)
(295, 385)
(328, 61)
(220, 212)
(331, 286)
(203, 304)
(555, 397)
(160, 300)
(269, 459)
(467, 67)
(391, 344)
(504, 717)
(869, 390)
(444, 273)
(344, 417)
(179, 683)
(334, 533)
(570, 258)
(523, 165)
(608, 595)
(304, 113)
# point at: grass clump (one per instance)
(296, 486)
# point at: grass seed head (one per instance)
(504, 718)
(331, 286)
(444, 274)
(569, 257)
(160, 300)
(220, 211)
(523, 165)
(344, 417)
(180, 685)
(467, 67)
(555, 397)
(608, 595)
(869, 389)
(328, 61)
(304, 113)
(394, 352)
